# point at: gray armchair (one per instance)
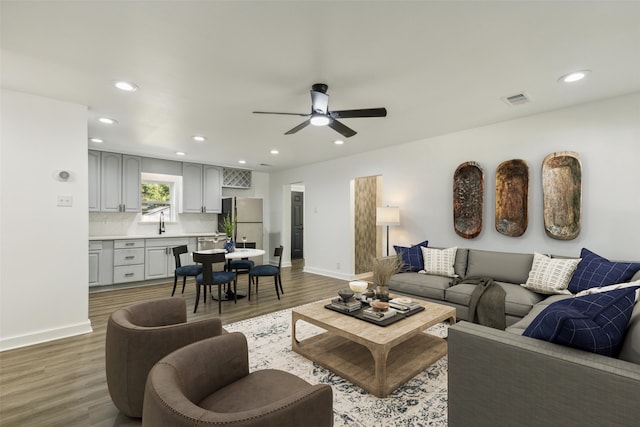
(141, 334)
(208, 383)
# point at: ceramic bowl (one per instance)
(358, 286)
(345, 294)
(379, 306)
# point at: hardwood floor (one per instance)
(63, 383)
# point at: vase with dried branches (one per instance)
(383, 269)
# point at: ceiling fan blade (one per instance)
(287, 114)
(346, 131)
(297, 128)
(366, 112)
(319, 102)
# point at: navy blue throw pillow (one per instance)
(411, 257)
(595, 323)
(595, 271)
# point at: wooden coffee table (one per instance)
(378, 359)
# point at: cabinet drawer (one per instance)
(170, 242)
(128, 273)
(95, 245)
(128, 256)
(126, 244)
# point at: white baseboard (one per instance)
(45, 336)
(330, 273)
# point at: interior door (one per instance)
(297, 224)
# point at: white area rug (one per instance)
(420, 402)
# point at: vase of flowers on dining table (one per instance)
(228, 225)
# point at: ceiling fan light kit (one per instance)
(321, 116)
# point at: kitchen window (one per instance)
(159, 197)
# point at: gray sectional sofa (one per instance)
(502, 378)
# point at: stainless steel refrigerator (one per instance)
(247, 212)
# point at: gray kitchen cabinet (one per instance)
(159, 260)
(100, 263)
(94, 181)
(119, 182)
(201, 188)
(95, 258)
(128, 260)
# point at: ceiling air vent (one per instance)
(517, 99)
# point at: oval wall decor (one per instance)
(562, 194)
(468, 199)
(512, 197)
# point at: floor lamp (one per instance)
(388, 215)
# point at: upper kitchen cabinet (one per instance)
(119, 182)
(94, 181)
(201, 188)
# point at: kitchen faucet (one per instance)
(161, 225)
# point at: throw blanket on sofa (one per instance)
(486, 306)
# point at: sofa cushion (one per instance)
(518, 301)
(595, 271)
(501, 266)
(411, 257)
(520, 326)
(550, 275)
(439, 261)
(422, 285)
(595, 323)
(630, 350)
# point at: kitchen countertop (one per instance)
(154, 236)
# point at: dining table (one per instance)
(238, 253)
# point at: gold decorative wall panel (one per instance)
(366, 194)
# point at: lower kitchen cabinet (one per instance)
(128, 260)
(134, 260)
(159, 256)
(100, 262)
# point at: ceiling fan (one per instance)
(321, 116)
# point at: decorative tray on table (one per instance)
(365, 312)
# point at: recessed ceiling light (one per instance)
(242, 162)
(338, 142)
(96, 140)
(107, 120)
(180, 153)
(274, 152)
(126, 86)
(574, 77)
(199, 138)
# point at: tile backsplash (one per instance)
(128, 224)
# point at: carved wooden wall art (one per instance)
(562, 194)
(512, 197)
(468, 199)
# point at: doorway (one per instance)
(297, 225)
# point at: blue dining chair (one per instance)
(183, 271)
(267, 270)
(208, 277)
(243, 264)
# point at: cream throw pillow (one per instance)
(439, 261)
(550, 275)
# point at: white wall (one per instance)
(44, 258)
(418, 176)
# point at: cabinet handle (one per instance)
(129, 257)
(128, 275)
(129, 244)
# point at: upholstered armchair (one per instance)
(141, 334)
(208, 383)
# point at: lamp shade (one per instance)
(388, 215)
